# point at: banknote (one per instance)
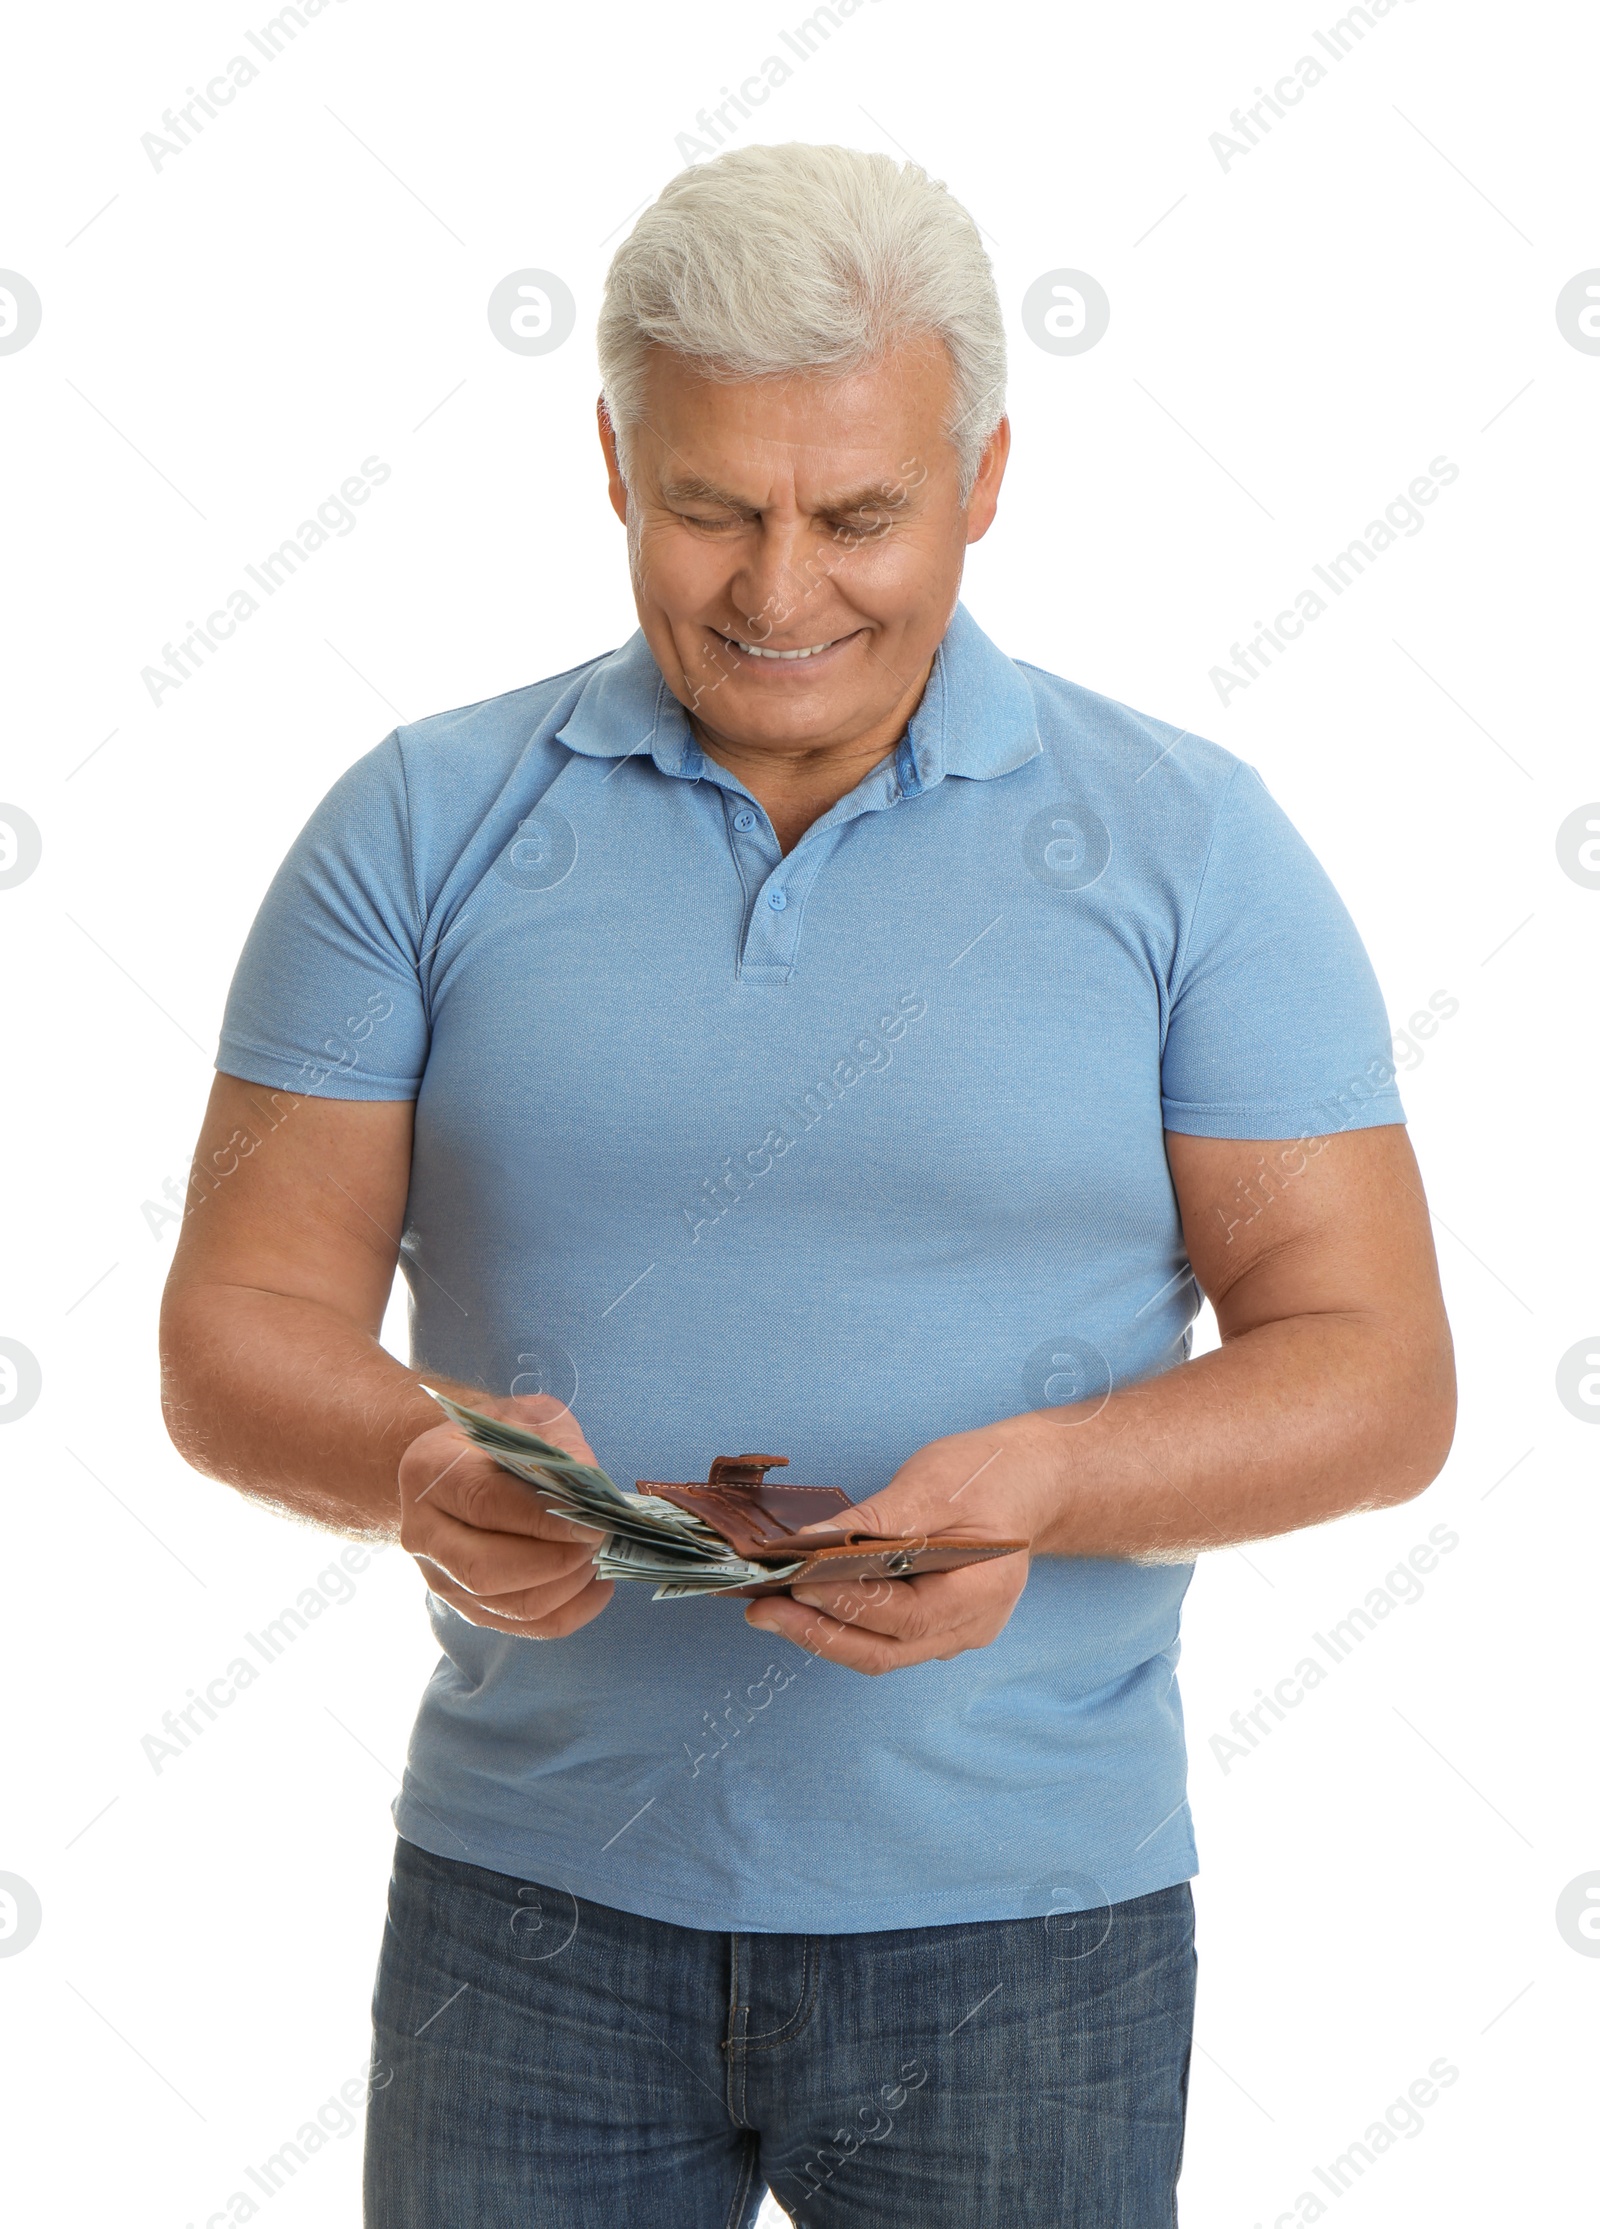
(646, 1538)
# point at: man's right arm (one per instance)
(273, 1378)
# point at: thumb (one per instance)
(875, 1515)
(551, 1419)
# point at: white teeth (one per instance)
(753, 650)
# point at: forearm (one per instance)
(292, 1403)
(1289, 1424)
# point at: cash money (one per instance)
(646, 1538)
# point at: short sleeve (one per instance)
(326, 998)
(1277, 1026)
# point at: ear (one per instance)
(984, 500)
(618, 489)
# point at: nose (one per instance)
(781, 569)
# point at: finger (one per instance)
(875, 1605)
(554, 1621)
(543, 1598)
(445, 1467)
(907, 1608)
(567, 1620)
(892, 1517)
(821, 1635)
(859, 1517)
(534, 1597)
(477, 1492)
(488, 1563)
(579, 1611)
(885, 1624)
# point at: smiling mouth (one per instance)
(786, 657)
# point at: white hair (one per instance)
(776, 260)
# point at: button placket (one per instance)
(774, 927)
(754, 847)
(778, 885)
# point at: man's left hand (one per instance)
(1000, 1483)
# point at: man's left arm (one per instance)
(1333, 1390)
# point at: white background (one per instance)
(224, 340)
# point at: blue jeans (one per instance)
(547, 2061)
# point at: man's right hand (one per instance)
(484, 1541)
(276, 1381)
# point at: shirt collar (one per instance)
(976, 717)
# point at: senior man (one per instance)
(805, 1028)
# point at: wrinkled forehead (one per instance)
(863, 439)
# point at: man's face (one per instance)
(808, 514)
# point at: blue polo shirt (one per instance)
(829, 1153)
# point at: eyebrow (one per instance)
(880, 497)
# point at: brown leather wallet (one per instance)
(760, 1521)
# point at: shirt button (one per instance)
(777, 899)
(744, 821)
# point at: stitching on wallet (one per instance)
(745, 1493)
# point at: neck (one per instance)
(795, 784)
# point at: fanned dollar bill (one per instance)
(645, 1537)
